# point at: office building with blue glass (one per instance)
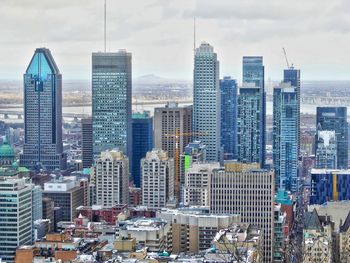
(228, 89)
(252, 112)
(111, 101)
(206, 100)
(285, 136)
(142, 142)
(329, 185)
(335, 119)
(43, 114)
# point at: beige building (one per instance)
(248, 191)
(148, 232)
(111, 178)
(157, 181)
(344, 241)
(196, 189)
(192, 230)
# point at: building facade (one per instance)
(111, 101)
(15, 217)
(43, 146)
(286, 136)
(157, 184)
(237, 189)
(142, 142)
(228, 89)
(86, 143)
(326, 150)
(335, 119)
(111, 178)
(206, 100)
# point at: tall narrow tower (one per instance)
(43, 113)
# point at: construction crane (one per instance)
(177, 135)
(285, 56)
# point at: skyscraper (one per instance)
(249, 145)
(142, 142)
(335, 119)
(228, 89)
(285, 136)
(254, 74)
(16, 217)
(111, 101)
(43, 114)
(206, 100)
(326, 150)
(157, 178)
(111, 178)
(86, 142)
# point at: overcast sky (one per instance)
(159, 33)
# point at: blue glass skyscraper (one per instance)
(111, 101)
(251, 147)
(43, 114)
(335, 119)
(206, 100)
(142, 142)
(285, 136)
(228, 89)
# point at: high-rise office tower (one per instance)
(43, 114)
(335, 119)
(206, 100)
(249, 125)
(326, 150)
(111, 178)
(254, 74)
(157, 184)
(142, 142)
(16, 217)
(246, 190)
(86, 142)
(111, 101)
(37, 202)
(228, 89)
(172, 125)
(285, 136)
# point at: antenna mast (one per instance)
(105, 26)
(194, 36)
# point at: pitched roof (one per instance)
(311, 221)
(346, 225)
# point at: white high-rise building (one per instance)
(197, 179)
(249, 191)
(15, 217)
(157, 184)
(326, 150)
(206, 100)
(111, 178)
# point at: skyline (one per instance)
(317, 46)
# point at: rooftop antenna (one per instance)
(194, 35)
(105, 26)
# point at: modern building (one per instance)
(196, 186)
(15, 217)
(329, 185)
(111, 101)
(37, 202)
(206, 100)
(43, 146)
(195, 152)
(192, 230)
(111, 178)
(248, 191)
(335, 119)
(326, 150)
(148, 232)
(249, 129)
(86, 142)
(157, 183)
(228, 89)
(142, 142)
(48, 211)
(172, 133)
(66, 194)
(281, 235)
(254, 74)
(286, 136)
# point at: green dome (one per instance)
(6, 150)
